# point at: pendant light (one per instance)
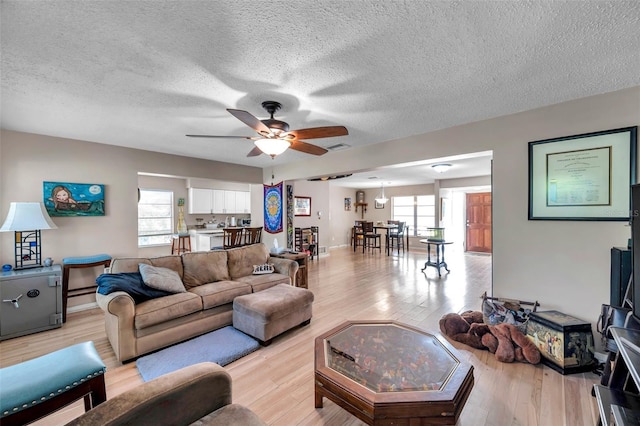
(380, 198)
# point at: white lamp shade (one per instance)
(272, 146)
(381, 198)
(27, 217)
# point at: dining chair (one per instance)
(357, 236)
(371, 238)
(231, 237)
(252, 235)
(395, 238)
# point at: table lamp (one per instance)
(26, 220)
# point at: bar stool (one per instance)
(69, 263)
(181, 243)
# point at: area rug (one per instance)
(222, 346)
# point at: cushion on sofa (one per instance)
(204, 268)
(129, 282)
(161, 278)
(162, 309)
(130, 264)
(220, 292)
(263, 282)
(242, 259)
(266, 268)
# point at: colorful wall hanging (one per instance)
(290, 216)
(273, 208)
(73, 199)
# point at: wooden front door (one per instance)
(479, 222)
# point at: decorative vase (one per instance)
(182, 225)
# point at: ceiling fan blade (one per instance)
(254, 152)
(319, 132)
(250, 120)
(222, 137)
(307, 148)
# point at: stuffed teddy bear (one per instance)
(465, 328)
(506, 341)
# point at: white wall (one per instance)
(341, 220)
(28, 159)
(563, 264)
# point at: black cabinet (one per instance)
(619, 401)
(620, 274)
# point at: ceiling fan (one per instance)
(274, 135)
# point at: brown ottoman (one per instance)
(273, 311)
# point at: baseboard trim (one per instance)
(83, 307)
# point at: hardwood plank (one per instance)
(277, 381)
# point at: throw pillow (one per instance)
(129, 282)
(266, 268)
(161, 278)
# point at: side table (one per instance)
(440, 262)
(303, 262)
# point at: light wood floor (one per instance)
(277, 381)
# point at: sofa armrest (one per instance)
(119, 314)
(181, 397)
(285, 267)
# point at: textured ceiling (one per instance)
(145, 73)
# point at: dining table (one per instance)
(387, 228)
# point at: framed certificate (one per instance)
(583, 177)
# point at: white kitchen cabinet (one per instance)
(219, 205)
(243, 202)
(200, 201)
(230, 202)
(218, 201)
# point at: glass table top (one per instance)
(390, 358)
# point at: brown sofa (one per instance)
(199, 394)
(212, 279)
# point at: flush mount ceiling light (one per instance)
(380, 198)
(441, 168)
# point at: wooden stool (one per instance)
(181, 244)
(69, 263)
(38, 387)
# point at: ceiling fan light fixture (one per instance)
(441, 168)
(272, 146)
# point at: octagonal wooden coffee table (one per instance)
(386, 372)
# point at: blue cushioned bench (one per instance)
(36, 388)
(79, 262)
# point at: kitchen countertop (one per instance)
(214, 231)
(207, 231)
